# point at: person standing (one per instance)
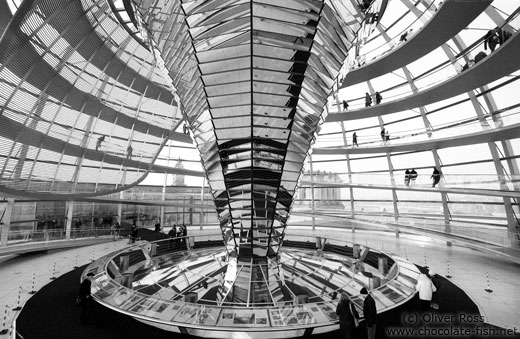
(370, 313)
(383, 134)
(184, 231)
(345, 105)
(85, 300)
(99, 141)
(118, 229)
(425, 287)
(407, 177)
(354, 140)
(348, 317)
(129, 151)
(492, 39)
(134, 233)
(113, 231)
(436, 176)
(157, 228)
(379, 97)
(368, 100)
(413, 176)
(171, 235)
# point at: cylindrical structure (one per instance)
(382, 264)
(373, 283)
(356, 251)
(123, 263)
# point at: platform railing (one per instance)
(116, 291)
(31, 236)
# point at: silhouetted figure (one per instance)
(99, 141)
(413, 176)
(383, 134)
(387, 136)
(157, 229)
(345, 105)
(503, 35)
(117, 228)
(436, 176)
(348, 317)
(379, 97)
(134, 233)
(407, 177)
(366, 4)
(171, 235)
(354, 140)
(368, 100)
(185, 129)
(370, 313)
(480, 56)
(403, 37)
(129, 151)
(491, 40)
(85, 300)
(184, 231)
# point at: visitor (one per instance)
(370, 313)
(157, 229)
(491, 39)
(171, 236)
(113, 231)
(99, 141)
(134, 233)
(436, 176)
(413, 176)
(348, 317)
(407, 176)
(383, 134)
(425, 287)
(129, 152)
(379, 97)
(85, 301)
(480, 55)
(184, 234)
(345, 105)
(368, 100)
(354, 140)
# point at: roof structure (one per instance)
(98, 92)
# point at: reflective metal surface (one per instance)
(172, 285)
(253, 78)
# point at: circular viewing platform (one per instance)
(188, 285)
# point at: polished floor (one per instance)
(469, 270)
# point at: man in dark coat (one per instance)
(172, 234)
(413, 176)
(436, 176)
(480, 55)
(368, 100)
(379, 97)
(157, 229)
(491, 39)
(85, 300)
(348, 317)
(370, 313)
